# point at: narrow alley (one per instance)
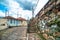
(17, 33)
(29, 19)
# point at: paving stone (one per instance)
(14, 33)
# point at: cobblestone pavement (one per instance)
(18, 33)
(33, 36)
(15, 33)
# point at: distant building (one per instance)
(11, 21)
(8, 21)
(23, 22)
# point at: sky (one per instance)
(22, 8)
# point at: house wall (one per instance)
(23, 23)
(3, 24)
(13, 22)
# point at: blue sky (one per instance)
(21, 7)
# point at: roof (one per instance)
(9, 17)
(21, 19)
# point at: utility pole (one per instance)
(17, 15)
(8, 13)
(33, 8)
(20, 15)
(32, 11)
(5, 14)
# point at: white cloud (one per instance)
(33, 1)
(27, 14)
(13, 4)
(1, 13)
(21, 13)
(40, 5)
(16, 9)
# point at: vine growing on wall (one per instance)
(55, 22)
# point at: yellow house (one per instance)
(23, 22)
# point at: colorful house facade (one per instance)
(8, 21)
(23, 22)
(11, 21)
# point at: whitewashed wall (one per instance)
(3, 24)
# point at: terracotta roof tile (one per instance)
(22, 19)
(9, 17)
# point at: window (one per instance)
(14, 21)
(2, 24)
(11, 21)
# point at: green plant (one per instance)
(41, 36)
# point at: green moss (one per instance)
(41, 36)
